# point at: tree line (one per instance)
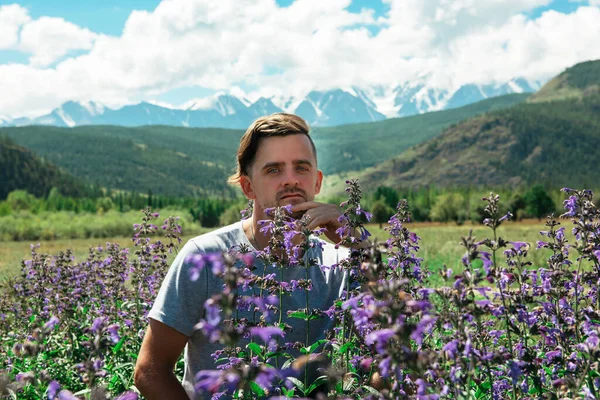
(431, 203)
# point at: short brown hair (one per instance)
(278, 124)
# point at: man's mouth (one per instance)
(293, 195)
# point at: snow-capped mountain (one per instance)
(319, 108)
(417, 97)
(4, 120)
(71, 114)
(337, 107)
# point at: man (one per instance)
(276, 166)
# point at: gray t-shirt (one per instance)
(180, 301)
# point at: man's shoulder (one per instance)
(221, 239)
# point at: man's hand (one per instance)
(321, 215)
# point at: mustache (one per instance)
(287, 192)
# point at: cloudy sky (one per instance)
(119, 52)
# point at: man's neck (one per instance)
(256, 238)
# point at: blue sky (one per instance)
(52, 51)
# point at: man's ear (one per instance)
(246, 185)
(319, 181)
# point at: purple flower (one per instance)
(128, 396)
(552, 355)
(265, 333)
(66, 395)
(380, 338)
(519, 245)
(97, 325)
(24, 376)
(265, 377)
(53, 388)
(451, 348)
(487, 260)
(208, 381)
(48, 326)
(515, 371)
(424, 326)
(571, 206)
(113, 330)
(385, 367)
(506, 217)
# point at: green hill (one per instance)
(166, 160)
(21, 169)
(358, 146)
(555, 143)
(187, 161)
(579, 81)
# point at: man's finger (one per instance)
(307, 205)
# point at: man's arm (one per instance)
(154, 376)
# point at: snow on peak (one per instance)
(224, 104)
(92, 107)
(514, 86)
(65, 118)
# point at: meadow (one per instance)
(440, 244)
(441, 311)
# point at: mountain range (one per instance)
(319, 108)
(550, 137)
(553, 138)
(179, 161)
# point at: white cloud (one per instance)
(12, 17)
(48, 39)
(314, 44)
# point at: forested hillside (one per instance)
(192, 161)
(21, 169)
(555, 144)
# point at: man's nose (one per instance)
(290, 178)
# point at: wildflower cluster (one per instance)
(499, 327)
(71, 329)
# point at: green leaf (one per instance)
(255, 348)
(84, 391)
(315, 345)
(534, 390)
(372, 390)
(298, 314)
(276, 354)
(317, 382)
(119, 345)
(346, 346)
(32, 318)
(297, 383)
(257, 390)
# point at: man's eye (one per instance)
(301, 168)
(272, 170)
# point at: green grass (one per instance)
(440, 245)
(48, 226)
(12, 253)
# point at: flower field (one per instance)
(500, 322)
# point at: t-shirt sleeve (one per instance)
(180, 301)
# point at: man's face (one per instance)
(284, 172)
